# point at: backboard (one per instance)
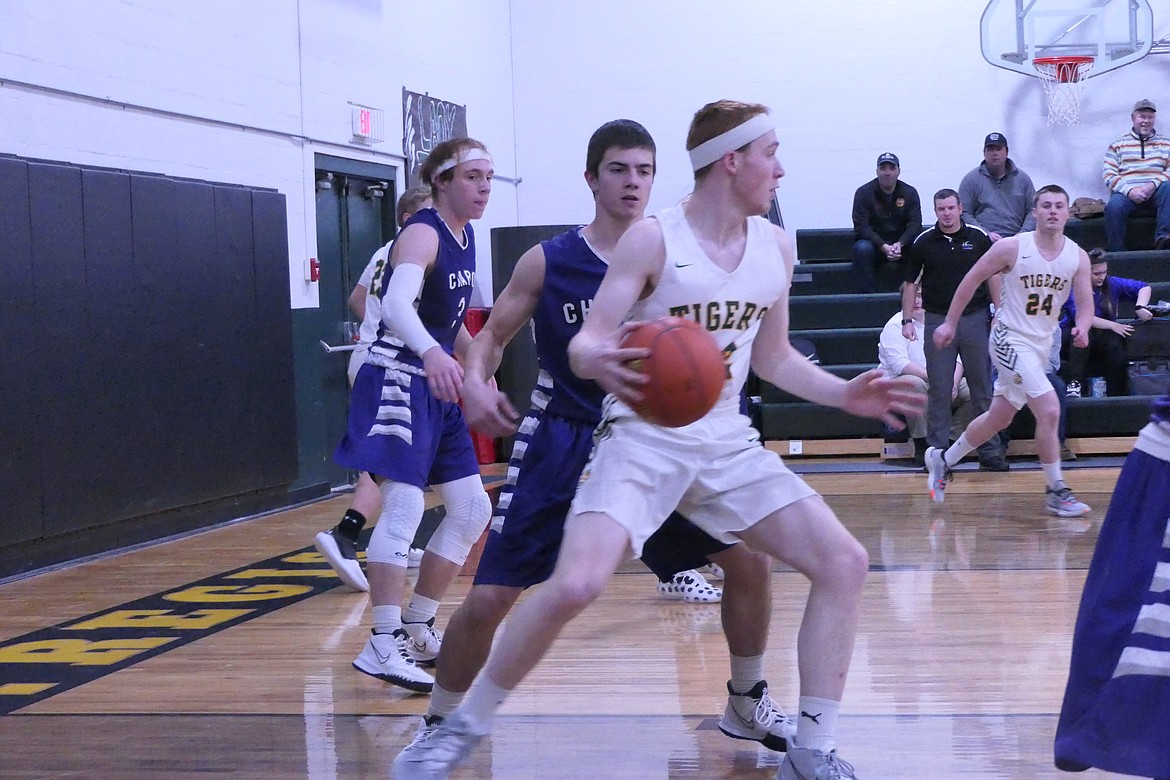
(1115, 33)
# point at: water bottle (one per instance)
(1098, 385)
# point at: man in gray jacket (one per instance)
(997, 196)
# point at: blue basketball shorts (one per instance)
(398, 430)
(526, 531)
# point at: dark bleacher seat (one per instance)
(1118, 416)
(837, 278)
(824, 245)
(1148, 265)
(810, 421)
(1089, 233)
(774, 395)
(840, 346)
(842, 311)
(827, 245)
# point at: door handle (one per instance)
(343, 348)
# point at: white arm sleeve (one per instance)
(398, 310)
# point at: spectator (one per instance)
(1105, 356)
(938, 259)
(887, 214)
(997, 196)
(900, 356)
(1137, 173)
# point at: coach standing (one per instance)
(937, 261)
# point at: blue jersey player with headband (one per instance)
(405, 426)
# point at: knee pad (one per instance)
(468, 512)
(402, 510)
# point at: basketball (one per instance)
(685, 369)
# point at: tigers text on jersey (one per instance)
(1035, 289)
(442, 303)
(728, 304)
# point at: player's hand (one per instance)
(1080, 340)
(872, 395)
(444, 374)
(488, 410)
(944, 334)
(909, 332)
(614, 367)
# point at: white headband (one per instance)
(467, 155)
(709, 151)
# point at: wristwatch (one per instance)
(907, 322)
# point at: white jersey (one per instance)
(1035, 289)
(371, 279)
(729, 305)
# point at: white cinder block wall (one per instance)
(847, 79)
(247, 92)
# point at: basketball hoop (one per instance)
(1063, 79)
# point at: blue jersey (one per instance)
(442, 303)
(572, 274)
(555, 438)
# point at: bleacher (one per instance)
(844, 327)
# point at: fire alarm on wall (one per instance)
(312, 270)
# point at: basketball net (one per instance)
(1063, 79)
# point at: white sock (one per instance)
(443, 701)
(957, 451)
(387, 618)
(746, 671)
(420, 610)
(816, 728)
(481, 703)
(1053, 475)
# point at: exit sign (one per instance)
(368, 124)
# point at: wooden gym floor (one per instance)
(228, 653)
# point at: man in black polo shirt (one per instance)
(887, 214)
(937, 260)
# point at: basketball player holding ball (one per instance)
(714, 261)
(551, 287)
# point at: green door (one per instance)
(355, 216)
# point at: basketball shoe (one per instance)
(938, 473)
(691, 587)
(753, 715)
(386, 658)
(426, 727)
(809, 764)
(341, 553)
(1062, 503)
(421, 640)
(432, 756)
(713, 571)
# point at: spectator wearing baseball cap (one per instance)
(1137, 173)
(887, 215)
(997, 195)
